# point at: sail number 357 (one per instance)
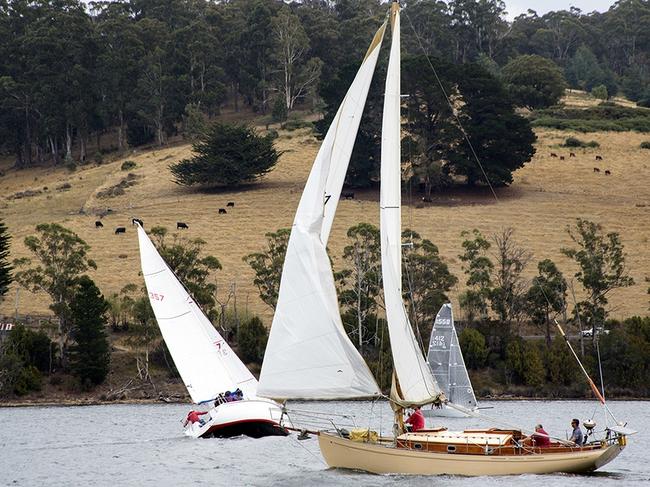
(156, 296)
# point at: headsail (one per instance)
(206, 363)
(309, 355)
(416, 382)
(446, 360)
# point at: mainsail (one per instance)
(446, 360)
(206, 363)
(309, 355)
(417, 385)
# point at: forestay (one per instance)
(206, 363)
(309, 355)
(446, 360)
(416, 383)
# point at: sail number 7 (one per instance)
(156, 296)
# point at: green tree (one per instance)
(90, 355)
(185, 258)
(475, 350)
(600, 92)
(251, 340)
(546, 296)
(426, 280)
(534, 81)
(62, 257)
(227, 155)
(33, 348)
(560, 364)
(143, 334)
(359, 284)
(601, 262)
(267, 265)
(478, 268)
(6, 277)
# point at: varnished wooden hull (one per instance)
(385, 458)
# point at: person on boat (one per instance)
(576, 436)
(195, 417)
(239, 395)
(540, 437)
(416, 420)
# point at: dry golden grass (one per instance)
(547, 195)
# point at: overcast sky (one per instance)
(516, 7)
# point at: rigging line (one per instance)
(444, 92)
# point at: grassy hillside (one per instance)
(547, 195)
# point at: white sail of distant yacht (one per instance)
(309, 355)
(415, 383)
(445, 359)
(205, 361)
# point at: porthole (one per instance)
(451, 448)
(417, 446)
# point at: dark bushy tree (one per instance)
(6, 277)
(90, 355)
(227, 155)
(546, 295)
(268, 265)
(251, 340)
(534, 81)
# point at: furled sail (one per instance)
(417, 385)
(446, 362)
(206, 363)
(309, 355)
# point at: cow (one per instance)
(99, 224)
(608, 172)
(596, 169)
(137, 220)
(222, 211)
(561, 158)
(599, 158)
(231, 204)
(553, 154)
(180, 225)
(119, 230)
(348, 195)
(571, 154)
(425, 199)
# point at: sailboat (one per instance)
(445, 359)
(205, 361)
(310, 357)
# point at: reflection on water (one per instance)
(144, 445)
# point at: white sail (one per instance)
(446, 362)
(309, 355)
(416, 383)
(206, 363)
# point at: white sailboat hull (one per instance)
(385, 458)
(250, 417)
(446, 412)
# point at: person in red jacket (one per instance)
(416, 419)
(540, 437)
(194, 417)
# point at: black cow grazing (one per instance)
(231, 204)
(120, 230)
(596, 169)
(99, 224)
(222, 211)
(571, 154)
(426, 200)
(607, 172)
(180, 225)
(599, 158)
(561, 158)
(137, 220)
(348, 195)
(553, 154)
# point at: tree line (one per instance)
(71, 73)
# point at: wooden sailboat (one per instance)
(205, 361)
(309, 355)
(445, 359)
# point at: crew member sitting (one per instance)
(194, 417)
(416, 419)
(540, 437)
(576, 434)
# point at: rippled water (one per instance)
(144, 445)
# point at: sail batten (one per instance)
(205, 361)
(309, 355)
(417, 385)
